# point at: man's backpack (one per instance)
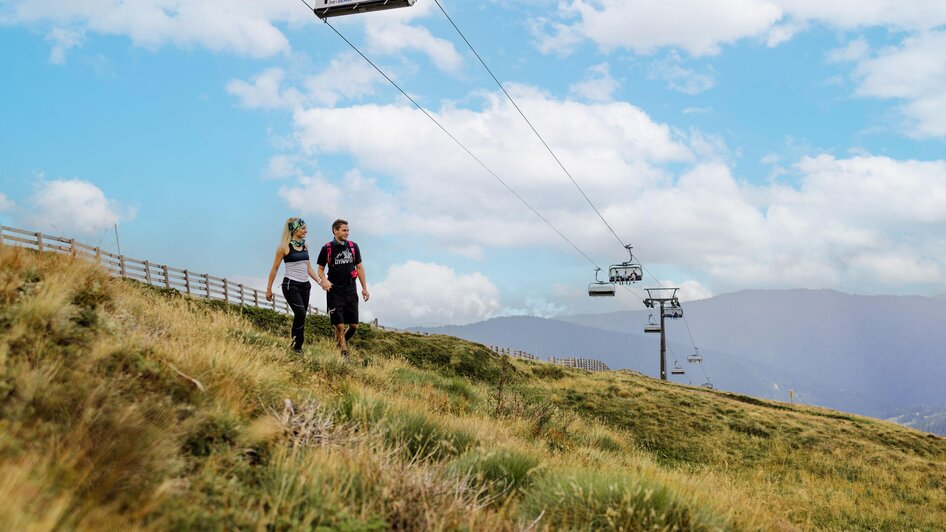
(328, 256)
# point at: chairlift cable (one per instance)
(457, 141)
(529, 122)
(485, 166)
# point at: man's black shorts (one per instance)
(342, 305)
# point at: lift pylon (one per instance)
(662, 298)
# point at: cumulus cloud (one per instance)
(393, 37)
(913, 73)
(702, 28)
(6, 204)
(845, 223)
(598, 86)
(613, 148)
(417, 293)
(244, 28)
(62, 39)
(74, 206)
(346, 78)
(265, 91)
(679, 77)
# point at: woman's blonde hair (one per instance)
(286, 234)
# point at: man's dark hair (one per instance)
(338, 223)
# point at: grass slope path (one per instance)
(124, 406)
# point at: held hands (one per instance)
(325, 284)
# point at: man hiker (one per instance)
(343, 259)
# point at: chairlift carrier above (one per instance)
(651, 327)
(676, 370)
(696, 357)
(336, 8)
(600, 288)
(626, 272)
(673, 312)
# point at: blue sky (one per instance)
(736, 144)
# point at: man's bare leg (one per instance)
(341, 339)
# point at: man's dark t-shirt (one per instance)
(341, 265)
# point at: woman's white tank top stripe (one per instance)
(298, 271)
(297, 265)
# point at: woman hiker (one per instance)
(295, 284)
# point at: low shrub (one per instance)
(421, 437)
(591, 500)
(502, 472)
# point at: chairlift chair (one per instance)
(651, 327)
(696, 357)
(600, 288)
(335, 8)
(626, 272)
(708, 385)
(673, 312)
(676, 369)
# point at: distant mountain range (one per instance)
(875, 355)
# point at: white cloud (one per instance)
(346, 78)
(680, 78)
(853, 52)
(427, 294)
(913, 73)
(439, 191)
(244, 28)
(696, 26)
(701, 28)
(266, 91)
(843, 222)
(598, 86)
(74, 206)
(393, 37)
(6, 204)
(281, 167)
(63, 39)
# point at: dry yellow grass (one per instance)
(125, 407)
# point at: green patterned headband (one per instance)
(295, 225)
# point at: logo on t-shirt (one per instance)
(345, 257)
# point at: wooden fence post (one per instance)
(148, 271)
(187, 282)
(72, 247)
(241, 294)
(256, 298)
(1, 234)
(39, 241)
(226, 290)
(121, 262)
(207, 284)
(167, 280)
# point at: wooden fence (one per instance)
(195, 284)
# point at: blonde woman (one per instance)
(295, 284)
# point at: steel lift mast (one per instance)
(661, 298)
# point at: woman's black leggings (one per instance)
(297, 294)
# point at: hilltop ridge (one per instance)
(123, 405)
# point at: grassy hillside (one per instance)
(124, 406)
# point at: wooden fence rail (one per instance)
(194, 284)
(200, 285)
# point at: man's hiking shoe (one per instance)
(345, 356)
